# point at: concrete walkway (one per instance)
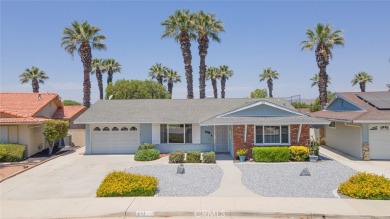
(377, 167)
(231, 185)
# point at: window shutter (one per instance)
(156, 133)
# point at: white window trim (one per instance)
(269, 144)
(183, 133)
(332, 126)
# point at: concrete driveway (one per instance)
(69, 176)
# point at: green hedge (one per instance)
(271, 154)
(11, 152)
(127, 184)
(209, 157)
(145, 146)
(176, 157)
(193, 157)
(147, 155)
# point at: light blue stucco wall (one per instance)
(342, 105)
(167, 148)
(88, 139)
(261, 110)
(207, 134)
(146, 133)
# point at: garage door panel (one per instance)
(115, 142)
(379, 135)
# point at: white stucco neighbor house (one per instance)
(220, 125)
(360, 124)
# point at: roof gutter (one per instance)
(267, 123)
(371, 121)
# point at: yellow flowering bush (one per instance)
(127, 184)
(366, 186)
(299, 153)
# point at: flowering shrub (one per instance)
(366, 186)
(127, 184)
(298, 153)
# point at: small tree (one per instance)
(71, 103)
(54, 130)
(259, 93)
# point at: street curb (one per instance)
(49, 159)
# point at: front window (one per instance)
(176, 133)
(272, 135)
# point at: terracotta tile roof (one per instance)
(369, 112)
(25, 104)
(21, 120)
(68, 112)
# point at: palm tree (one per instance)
(34, 75)
(83, 38)
(316, 78)
(362, 78)
(172, 77)
(213, 74)
(98, 68)
(323, 38)
(225, 73)
(388, 86)
(158, 71)
(180, 26)
(112, 66)
(207, 27)
(269, 75)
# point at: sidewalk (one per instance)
(377, 167)
(236, 207)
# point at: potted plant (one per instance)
(241, 154)
(314, 149)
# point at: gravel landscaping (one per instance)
(198, 179)
(284, 180)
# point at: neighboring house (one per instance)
(360, 124)
(220, 125)
(22, 116)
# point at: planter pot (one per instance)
(242, 158)
(313, 158)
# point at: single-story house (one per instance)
(360, 124)
(220, 125)
(22, 117)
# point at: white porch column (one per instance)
(246, 127)
(299, 133)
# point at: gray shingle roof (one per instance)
(167, 111)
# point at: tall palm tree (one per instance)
(323, 39)
(180, 26)
(207, 27)
(213, 74)
(362, 78)
(112, 66)
(225, 73)
(172, 78)
(34, 75)
(83, 38)
(98, 68)
(269, 75)
(158, 71)
(316, 78)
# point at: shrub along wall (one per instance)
(271, 154)
(11, 152)
(192, 157)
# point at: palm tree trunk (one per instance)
(203, 46)
(170, 86)
(86, 57)
(160, 80)
(109, 76)
(362, 86)
(322, 62)
(35, 85)
(99, 78)
(185, 46)
(214, 83)
(223, 83)
(270, 87)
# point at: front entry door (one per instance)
(221, 138)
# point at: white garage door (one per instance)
(380, 141)
(115, 139)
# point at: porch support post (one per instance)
(246, 127)
(215, 147)
(299, 133)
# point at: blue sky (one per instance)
(258, 35)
